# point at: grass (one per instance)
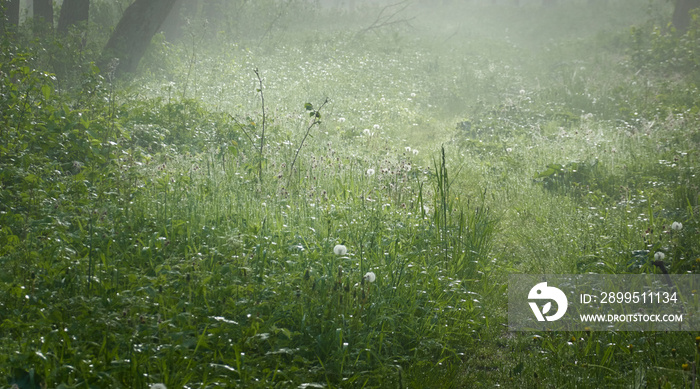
(451, 154)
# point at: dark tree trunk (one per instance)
(681, 14)
(43, 12)
(10, 17)
(73, 12)
(130, 39)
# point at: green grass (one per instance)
(138, 243)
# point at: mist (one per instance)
(336, 193)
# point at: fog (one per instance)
(349, 194)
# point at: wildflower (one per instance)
(341, 120)
(415, 152)
(339, 249)
(158, 386)
(508, 150)
(408, 168)
(408, 149)
(685, 366)
(370, 172)
(413, 95)
(376, 126)
(677, 226)
(697, 340)
(367, 132)
(659, 256)
(522, 92)
(370, 276)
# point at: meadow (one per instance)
(297, 201)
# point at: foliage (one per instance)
(145, 237)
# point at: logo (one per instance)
(543, 292)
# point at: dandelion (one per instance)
(376, 126)
(415, 152)
(408, 149)
(367, 132)
(158, 386)
(408, 168)
(341, 120)
(677, 226)
(370, 172)
(522, 92)
(413, 95)
(659, 256)
(339, 249)
(370, 276)
(508, 150)
(685, 366)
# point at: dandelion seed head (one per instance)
(339, 249)
(370, 276)
(677, 226)
(659, 256)
(370, 172)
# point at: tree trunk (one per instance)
(130, 39)
(43, 12)
(73, 12)
(681, 14)
(10, 16)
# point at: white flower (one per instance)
(508, 150)
(659, 256)
(522, 91)
(408, 168)
(408, 149)
(677, 226)
(426, 209)
(341, 120)
(413, 95)
(366, 131)
(415, 152)
(158, 386)
(376, 126)
(339, 249)
(370, 172)
(370, 276)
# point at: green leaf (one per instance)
(309, 106)
(46, 91)
(26, 379)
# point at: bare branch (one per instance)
(388, 20)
